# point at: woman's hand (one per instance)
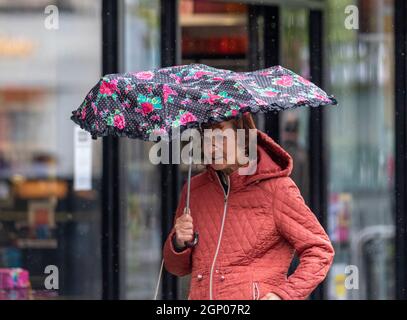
(271, 296)
(184, 229)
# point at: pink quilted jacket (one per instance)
(247, 237)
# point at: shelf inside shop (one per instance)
(21, 146)
(20, 108)
(141, 166)
(212, 19)
(215, 56)
(237, 65)
(66, 216)
(214, 46)
(37, 243)
(60, 217)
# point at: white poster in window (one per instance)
(82, 160)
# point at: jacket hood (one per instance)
(272, 162)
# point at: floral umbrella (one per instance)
(155, 102)
(138, 104)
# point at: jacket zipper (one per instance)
(220, 235)
(256, 292)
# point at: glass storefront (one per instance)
(141, 179)
(294, 123)
(361, 215)
(45, 218)
(51, 172)
(293, 133)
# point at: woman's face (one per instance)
(220, 159)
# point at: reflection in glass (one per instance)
(140, 178)
(361, 156)
(294, 123)
(44, 221)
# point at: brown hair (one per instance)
(245, 122)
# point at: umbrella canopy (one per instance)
(138, 104)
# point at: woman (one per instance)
(249, 227)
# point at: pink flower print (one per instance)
(319, 97)
(199, 74)
(119, 121)
(187, 117)
(286, 81)
(239, 77)
(265, 73)
(234, 112)
(213, 97)
(128, 88)
(176, 78)
(126, 104)
(159, 131)
(155, 117)
(261, 102)
(186, 101)
(95, 109)
(167, 91)
(108, 87)
(144, 75)
(147, 107)
(303, 80)
(83, 113)
(217, 79)
(269, 93)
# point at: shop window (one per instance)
(360, 140)
(49, 206)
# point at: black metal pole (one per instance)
(271, 41)
(254, 54)
(169, 172)
(110, 176)
(255, 50)
(317, 155)
(400, 30)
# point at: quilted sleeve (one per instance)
(177, 263)
(299, 226)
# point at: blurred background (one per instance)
(54, 190)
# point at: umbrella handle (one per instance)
(194, 242)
